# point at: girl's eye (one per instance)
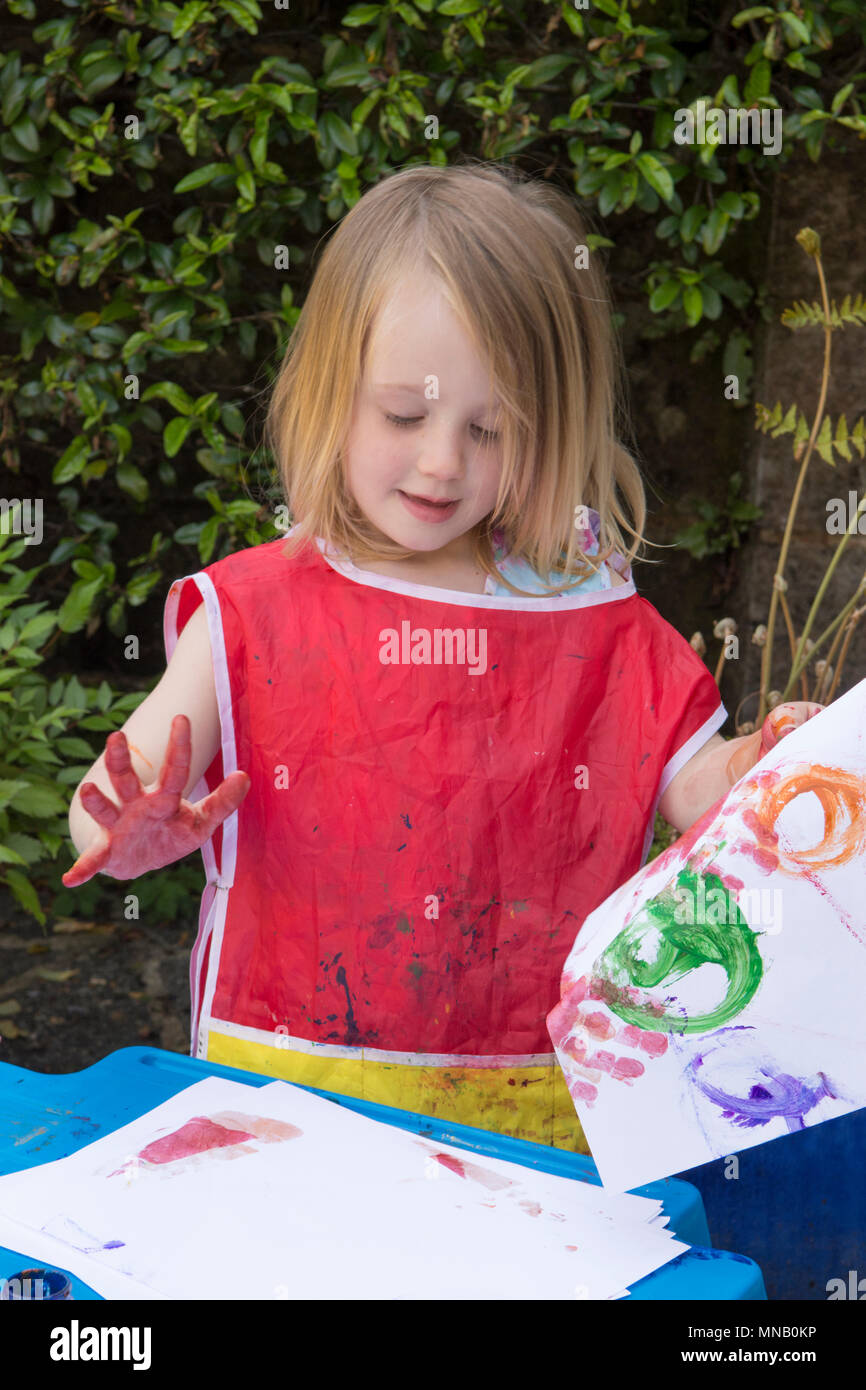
(400, 421)
(487, 436)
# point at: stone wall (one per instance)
(691, 438)
(828, 197)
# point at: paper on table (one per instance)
(715, 1000)
(312, 1200)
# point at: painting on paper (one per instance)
(715, 1001)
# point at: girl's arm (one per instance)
(131, 816)
(715, 768)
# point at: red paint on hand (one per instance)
(153, 826)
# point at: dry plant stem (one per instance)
(766, 664)
(739, 707)
(791, 638)
(828, 631)
(855, 618)
(717, 675)
(824, 679)
(822, 587)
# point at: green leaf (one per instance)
(753, 12)
(208, 538)
(609, 195)
(38, 801)
(175, 433)
(37, 628)
(732, 204)
(76, 607)
(23, 890)
(544, 69)
(71, 461)
(841, 97)
(72, 747)
(664, 295)
(8, 789)
(656, 175)
(692, 304)
(98, 75)
(712, 301)
(692, 220)
(807, 96)
(347, 75)
(247, 186)
(205, 174)
(714, 231)
(27, 846)
(361, 14)
(824, 443)
(339, 132)
(233, 419)
(758, 84)
(173, 393)
(26, 134)
(132, 481)
(795, 30)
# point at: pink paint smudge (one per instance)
(197, 1136)
(473, 1171)
(225, 1134)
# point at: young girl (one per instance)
(430, 729)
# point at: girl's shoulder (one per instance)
(257, 562)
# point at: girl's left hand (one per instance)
(781, 720)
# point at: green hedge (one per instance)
(167, 173)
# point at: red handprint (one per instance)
(152, 826)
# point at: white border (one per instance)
(673, 765)
(212, 914)
(374, 1054)
(537, 603)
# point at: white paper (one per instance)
(771, 1036)
(344, 1208)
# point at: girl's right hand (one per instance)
(153, 826)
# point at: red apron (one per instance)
(444, 786)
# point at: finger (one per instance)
(782, 720)
(779, 722)
(119, 768)
(749, 751)
(98, 805)
(85, 866)
(174, 773)
(212, 810)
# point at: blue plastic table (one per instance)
(43, 1117)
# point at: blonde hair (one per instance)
(501, 247)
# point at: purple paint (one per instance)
(773, 1094)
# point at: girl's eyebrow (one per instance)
(416, 391)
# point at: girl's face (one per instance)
(424, 483)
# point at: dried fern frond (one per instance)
(802, 314)
(772, 422)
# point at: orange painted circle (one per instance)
(843, 800)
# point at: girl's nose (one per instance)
(441, 457)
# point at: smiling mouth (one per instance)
(431, 501)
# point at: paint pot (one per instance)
(48, 1284)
